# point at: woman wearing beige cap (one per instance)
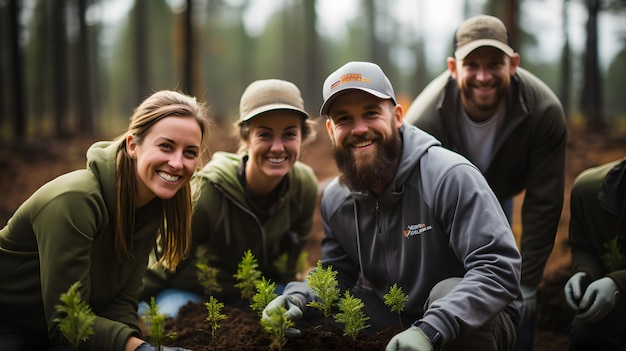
(260, 199)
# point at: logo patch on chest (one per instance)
(415, 229)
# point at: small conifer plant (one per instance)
(207, 277)
(275, 326)
(281, 263)
(247, 275)
(325, 286)
(396, 300)
(264, 295)
(156, 325)
(351, 315)
(214, 316)
(302, 265)
(613, 258)
(77, 321)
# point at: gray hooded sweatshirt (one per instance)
(438, 218)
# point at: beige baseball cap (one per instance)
(268, 95)
(365, 76)
(478, 31)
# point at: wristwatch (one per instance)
(433, 335)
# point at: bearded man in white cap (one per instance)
(512, 127)
(406, 211)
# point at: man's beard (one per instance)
(377, 172)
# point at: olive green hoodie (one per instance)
(64, 233)
(225, 225)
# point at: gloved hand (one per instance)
(294, 311)
(412, 339)
(529, 308)
(598, 300)
(148, 347)
(574, 289)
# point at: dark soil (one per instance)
(242, 331)
(26, 165)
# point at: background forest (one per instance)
(79, 67)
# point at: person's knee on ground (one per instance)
(499, 333)
(169, 302)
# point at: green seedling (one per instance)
(207, 276)
(214, 316)
(302, 265)
(325, 286)
(264, 295)
(156, 325)
(282, 263)
(275, 326)
(247, 275)
(351, 315)
(396, 300)
(76, 323)
(613, 258)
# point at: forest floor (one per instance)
(25, 166)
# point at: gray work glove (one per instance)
(149, 347)
(529, 308)
(412, 339)
(294, 312)
(598, 300)
(574, 289)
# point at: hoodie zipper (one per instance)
(256, 219)
(382, 239)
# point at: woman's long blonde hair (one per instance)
(175, 229)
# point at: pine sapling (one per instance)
(156, 325)
(396, 300)
(207, 277)
(264, 295)
(302, 265)
(351, 315)
(325, 286)
(613, 258)
(281, 263)
(275, 326)
(214, 316)
(76, 323)
(247, 275)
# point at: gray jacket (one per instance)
(529, 155)
(437, 219)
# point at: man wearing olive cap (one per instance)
(512, 127)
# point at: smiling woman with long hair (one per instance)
(98, 226)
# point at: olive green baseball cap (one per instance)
(268, 95)
(478, 31)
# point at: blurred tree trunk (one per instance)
(566, 64)
(510, 17)
(59, 64)
(293, 46)
(3, 67)
(141, 50)
(84, 85)
(313, 80)
(15, 64)
(188, 61)
(247, 45)
(592, 82)
(378, 49)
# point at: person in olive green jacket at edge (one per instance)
(597, 235)
(260, 199)
(97, 226)
(512, 127)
